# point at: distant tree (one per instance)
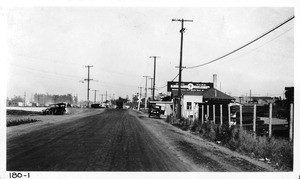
(134, 102)
(16, 99)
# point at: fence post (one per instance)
(202, 115)
(221, 115)
(291, 122)
(270, 120)
(254, 120)
(207, 112)
(229, 116)
(241, 116)
(214, 114)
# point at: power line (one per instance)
(45, 72)
(61, 76)
(48, 60)
(243, 47)
(247, 44)
(265, 43)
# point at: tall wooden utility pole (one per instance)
(140, 98)
(105, 96)
(24, 99)
(180, 63)
(88, 85)
(146, 91)
(95, 95)
(154, 57)
(101, 98)
(151, 87)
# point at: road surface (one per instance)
(120, 140)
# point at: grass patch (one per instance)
(22, 112)
(278, 151)
(20, 121)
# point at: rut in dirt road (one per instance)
(110, 141)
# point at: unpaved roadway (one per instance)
(119, 140)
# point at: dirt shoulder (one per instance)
(46, 120)
(206, 155)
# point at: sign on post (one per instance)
(188, 86)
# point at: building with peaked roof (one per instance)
(194, 94)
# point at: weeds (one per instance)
(22, 112)
(20, 121)
(278, 151)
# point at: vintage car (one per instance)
(55, 109)
(154, 111)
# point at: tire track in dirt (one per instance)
(111, 141)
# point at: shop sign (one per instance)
(188, 86)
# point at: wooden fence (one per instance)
(246, 116)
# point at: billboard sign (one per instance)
(188, 86)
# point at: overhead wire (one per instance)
(247, 44)
(64, 76)
(264, 43)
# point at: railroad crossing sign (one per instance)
(139, 99)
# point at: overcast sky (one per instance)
(49, 48)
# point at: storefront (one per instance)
(196, 94)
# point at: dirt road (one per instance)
(120, 140)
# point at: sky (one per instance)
(49, 47)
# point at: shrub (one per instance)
(279, 151)
(20, 121)
(22, 112)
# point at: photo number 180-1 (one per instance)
(19, 175)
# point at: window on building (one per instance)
(188, 105)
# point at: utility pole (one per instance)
(140, 98)
(95, 95)
(146, 91)
(105, 96)
(154, 57)
(88, 85)
(180, 63)
(101, 98)
(151, 88)
(25, 98)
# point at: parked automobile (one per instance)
(119, 104)
(154, 111)
(55, 109)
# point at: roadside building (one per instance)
(194, 95)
